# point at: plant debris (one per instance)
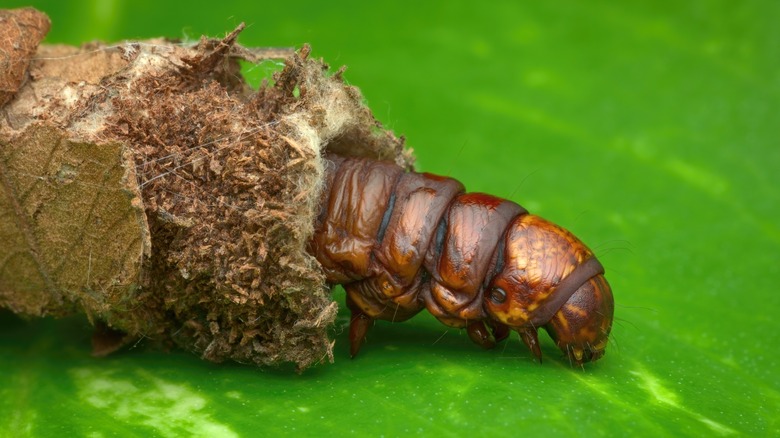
(146, 185)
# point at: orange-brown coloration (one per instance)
(349, 231)
(474, 225)
(538, 256)
(400, 242)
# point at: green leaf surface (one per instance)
(649, 129)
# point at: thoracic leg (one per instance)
(106, 340)
(531, 340)
(487, 334)
(481, 335)
(358, 327)
(500, 331)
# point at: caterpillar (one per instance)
(400, 242)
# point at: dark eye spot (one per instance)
(497, 295)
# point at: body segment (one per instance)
(400, 242)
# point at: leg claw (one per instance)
(531, 340)
(481, 335)
(358, 327)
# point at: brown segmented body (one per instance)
(400, 242)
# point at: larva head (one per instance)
(548, 278)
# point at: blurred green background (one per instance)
(648, 128)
